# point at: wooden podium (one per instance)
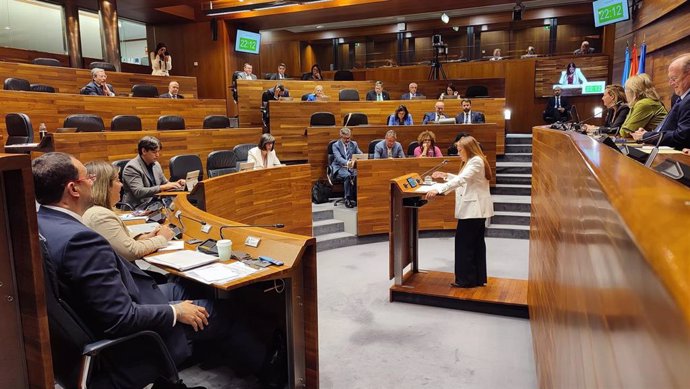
(501, 296)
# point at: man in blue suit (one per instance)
(389, 147)
(467, 116)
(434, 117)
(412, 92)
(675, 129)
(343, 166)
(113, 296)
(98, 86)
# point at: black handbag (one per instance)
(320, 192)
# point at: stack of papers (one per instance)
(131, 216)
(220, 273)
(144, 228)
(182, 260)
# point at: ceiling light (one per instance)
(485, 28)
(456, 28)
(445, 18)
(402, 26)
(319, 26)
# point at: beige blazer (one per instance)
(472, 195)
(108, 224)
(254, 155)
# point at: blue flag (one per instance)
(626, 66)
(643, 55)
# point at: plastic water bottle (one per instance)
(42, 131)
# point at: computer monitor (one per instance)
(446, 121)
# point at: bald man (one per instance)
(173, 91)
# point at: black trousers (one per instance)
(470, 252)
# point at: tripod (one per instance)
(436, 71)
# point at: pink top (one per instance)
(435, 153)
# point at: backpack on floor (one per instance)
(320, 192)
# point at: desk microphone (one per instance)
(277, 225)
(179, 215)
(578, 126)
(433, 169)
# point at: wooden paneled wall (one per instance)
(609, 293)
(10, 54)
(53, 108)
(71, 80)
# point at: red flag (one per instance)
(633, 61)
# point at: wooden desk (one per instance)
(265, 196)
(293, 116)
(53, 108)
(71, 80)
(111, 146)
(293, 144)
(609, 292)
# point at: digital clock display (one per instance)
(610, 11)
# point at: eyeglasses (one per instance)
(91, 177)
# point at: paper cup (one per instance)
(224, 249)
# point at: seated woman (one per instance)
(101, 218)
(263, 155)
(317, 94)
(427, 145)
(401, 117)
(315, 73)
(616, 108)
(450, 93)
(646, 110)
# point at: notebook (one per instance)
(192, 179)
(182, 260)
(246, 166)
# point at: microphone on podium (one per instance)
(277, 225)
(433, 169)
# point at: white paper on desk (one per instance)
(173, 245)
(130, 216)
(182, 260)
(137, 229)
(662, 150)
(428, 188)
(220, 272)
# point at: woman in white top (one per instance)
(263, 155)
(472, 206)
(572, 75)
(101, 218)
(161, 61)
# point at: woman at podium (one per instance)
(472, 206)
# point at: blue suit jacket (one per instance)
(340, 154)
(95, 90)
(393, 122)
(113, 297)
(676, 127)
(477, 117)
(381, 151)
(430, 117)
(406, 96)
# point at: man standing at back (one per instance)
(173, 91)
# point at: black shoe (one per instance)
(348, 203)
(354, 203)
(165, 384)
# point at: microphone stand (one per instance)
(433, 169)
(179, 215)
(277, 225)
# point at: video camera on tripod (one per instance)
(439, 47)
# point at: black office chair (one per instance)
(348, 95)
(46, 62)
(372, 147)
(144, 90)
(182, 164)
(42, 88)
(305, 96)
(20, 84)
(103, 65)
(306, 76)
(337, 185)
(126, 123)
(322, 119)
(170, 122)
(120, 166)
(84, 123)
(79, 357)
(19, 129)
(221, 162)
(242, 151)
(355, 119)
(343, 75)
(477, 91)
(410, 148)
(234, 84)
(216, 121)
(267, 76)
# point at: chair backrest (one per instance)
(46, 62)
(216, 121)
(322, 119)
(242, 150)
(348, 95)
(182, 164)
(343, 75)
(19, 129)
(477, 91)
(305, 96)
(267, 76)
(355, 119)
(144, 90)
(126, 123)
(85, 123)
(410, 148)
(372, 147)
(12, 83)
(103, 65)
(170, 122)
(306, 76)
(42, 88)
(221, 162)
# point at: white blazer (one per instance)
(578, 78)
(160, 68)
(472, 195)
(254, 155)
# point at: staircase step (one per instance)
(518, 139)
(321, 215)
(511, 218)
(519, 148)
(523, 179)
(323, 227)
(508, 203)
(507, 231)
(335, 240)
(512, 189)
(515, 157)
(504, 167)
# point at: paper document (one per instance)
(219, 273)
(428, 188)
(137, 229)
(173, 245)
(182, 260)
(662, 150)
(130, 216)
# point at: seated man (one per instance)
(557, 108)
(274, 93)
(281, 73)
(412, 92)
(173, 91)
(113, 296)
(143, 176)
(584, 49)
(246, 74)
(378, 94)
(98, 86)
(467, 116)
(343, 166)
(389, 147)
(434, 117)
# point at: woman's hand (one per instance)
(439, 175)
(166, 232)
(686, 151)
(431, 194)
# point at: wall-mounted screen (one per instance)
(576, 76)
(248, 42)
(610, 11)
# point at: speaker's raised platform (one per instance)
(500, 296)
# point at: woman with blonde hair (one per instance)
(101, 218)
(646, 110)
(427, 145)
(473, 206)
(617, 109)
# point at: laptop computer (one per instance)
(359, 156)
(285, 98)
(246, 166)
(446, 121)
(191, 180)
